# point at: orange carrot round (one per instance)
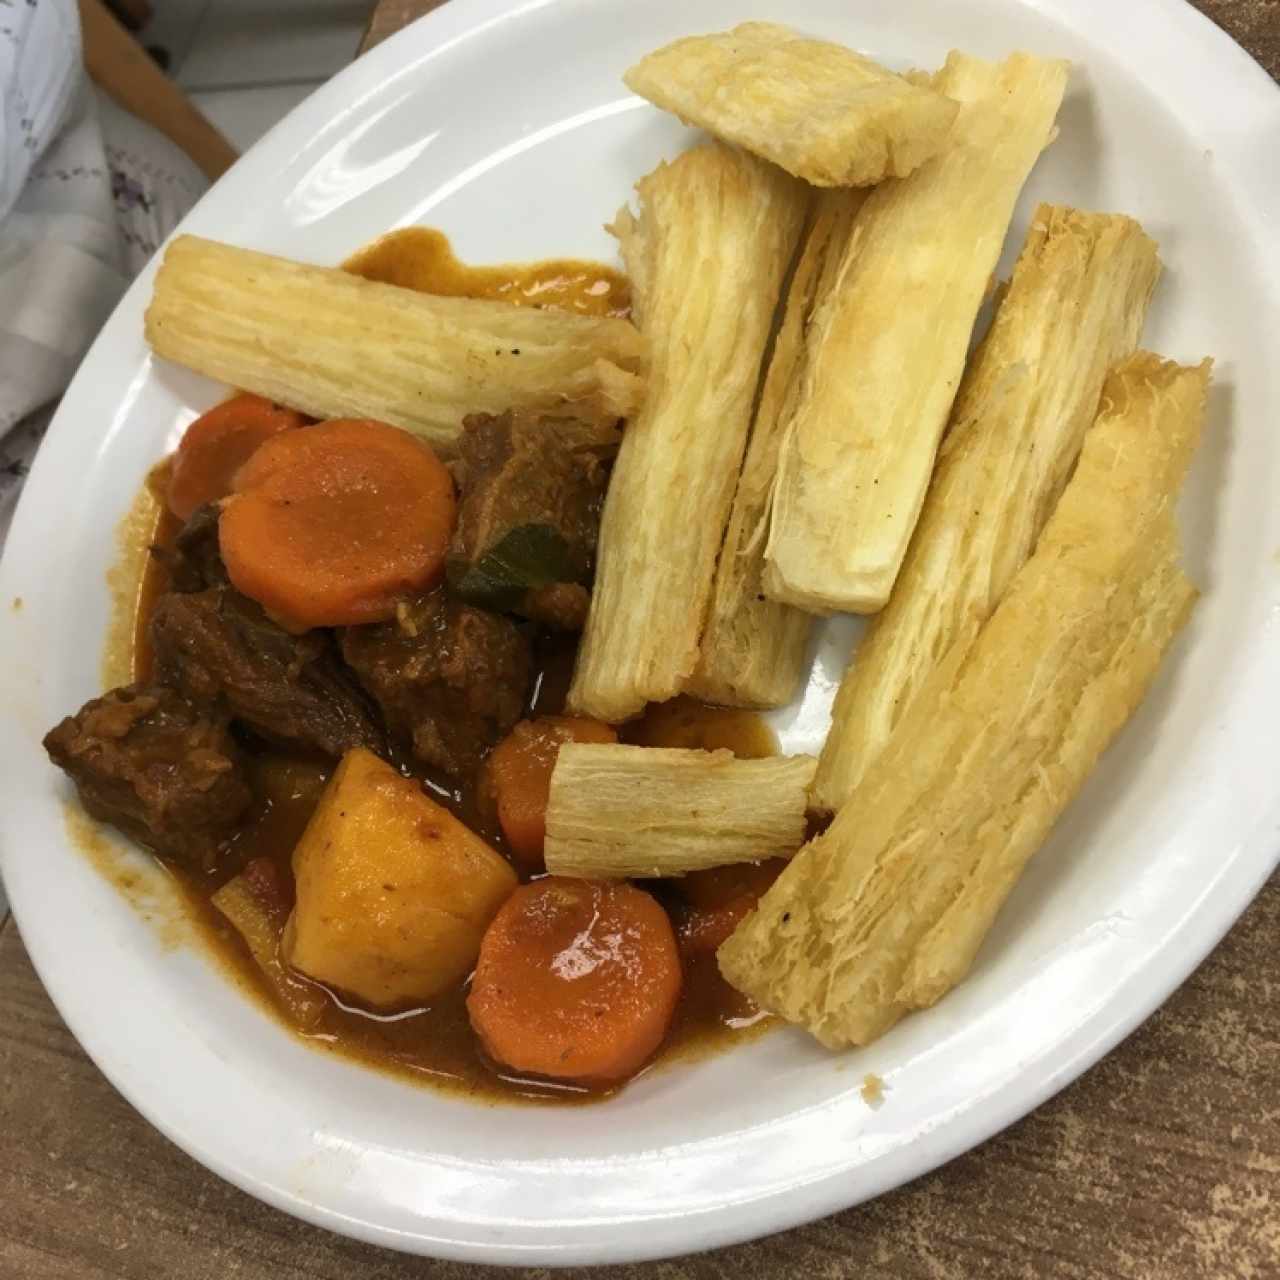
(701, 930)
(518, 776)
(719, 899)
(718, 886)
(217, 444)
(577, 980)
(332, 525)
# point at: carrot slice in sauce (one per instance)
(701, 930)
(718, 886)
(217, 444)
(332, 525)
(577, 980)
(518, 776)
(719, 899)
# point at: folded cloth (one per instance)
(87, 194)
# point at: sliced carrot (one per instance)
(717, 886)
(217, 444)
(719, 899)
(332, 525)
(701, 930)
(518, 776)
(577, 980)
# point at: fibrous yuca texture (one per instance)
(1074, 307)
(819, 110)
(753, 649)
(707, 254)
(619, 811)
(336, 346)
(889, 345)
(885, 911)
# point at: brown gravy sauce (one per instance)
(421, 258)
(433, 1044)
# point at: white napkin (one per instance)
(87, 193)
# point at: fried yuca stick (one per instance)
(618, 811)
(1164, 599)
(707, 254)
(753, 649)
(1075, 306)
(889, 346)
(334, 345)
(1001, 738)
(817, 109)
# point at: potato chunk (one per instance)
(394, 892)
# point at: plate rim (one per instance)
(1233, 889)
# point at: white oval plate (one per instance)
(509, 127)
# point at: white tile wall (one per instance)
(246, 63)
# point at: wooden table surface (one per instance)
(1161, 1162)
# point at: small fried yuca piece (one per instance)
(336, 346)
(621, 811)
(1074, 308)
(889, 346)
(885, 911)
(707, 255)
(819, 110)
(753, 649)
(257, 906)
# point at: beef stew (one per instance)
(246, 715)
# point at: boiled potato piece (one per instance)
(394, 892)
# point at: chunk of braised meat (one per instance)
(194, 561)
(451, 679)
(165, 772)
(531, 489)
(219, 648)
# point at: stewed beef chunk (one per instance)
(164, 772)
(449, 678)
(529, 516)
(217, 647)
(195, 563)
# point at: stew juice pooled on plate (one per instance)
(350, 668)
